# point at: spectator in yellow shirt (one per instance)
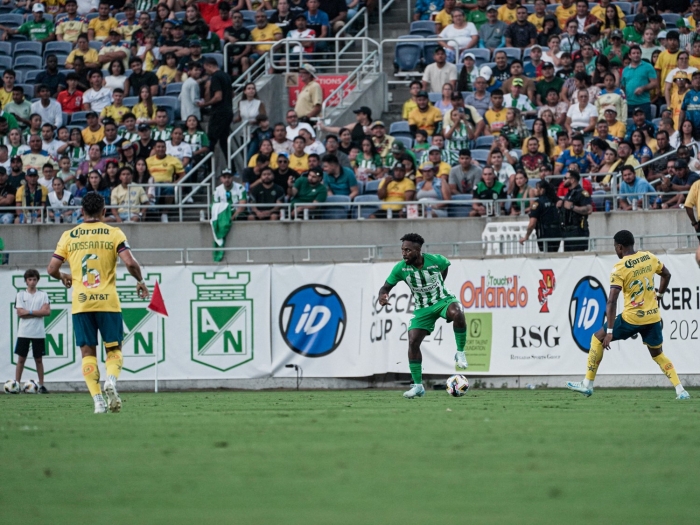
(566, 10)
(117, 109)
(395, 188)
(70, 27)
(165, 169)
(94, 132)
(616, 128)
(263, 32)
(444, 18)
(99, 27)
(425, 116)
(507, 12)
(537, 18)
(411, 103)
(299, 159)
(145, 109)
(83, 49)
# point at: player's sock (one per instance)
(91, 373)
(461, 338)
(114, 364)
(666, 367)
(595, 356)
(416, 368)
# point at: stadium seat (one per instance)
(630, 123)
(629, 19)
(532, 183)
(5, 62)
(218, 56)
(372, 203)
(170, 104)
(96, 45)
(28, 90)
(30, 16)
(61, 57)
(11, 20)
(653, 111)
(18, 38)
(19, 76)
(425, 33)
(400, 126)
(173, 89)
(90, 16)
(529, 123)
(513, 53)
(434, 97)
(463, 208)
(662, 108)
(336, 212)
(428, 52)
(130, 102)
(406, 139)
(526, 52)
(530, 8)
(79, 119)
(484, 142)
(656, 122)
(480, 155)
(26, 63)
(371, 186)
(270, 12)
(598, 198)
(625, 7)
(181, 16)
(248, 16)
(481, 56)
(120, 16)
(551, 8)
(30, 76)
(428, 25)
(6, 49)
(407, 56)
(670, 18)
(66, 118)
(63, 48)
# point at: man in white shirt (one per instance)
(439, 73)
(31, 306)
(517, 99)
(293, 125)
(190, 93)
(49, 110)
(50, 144)
(87, 6)
(97, 97)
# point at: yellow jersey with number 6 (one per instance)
(634, 275)
(92, 251)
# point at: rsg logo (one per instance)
(535, 336)
(312, 320)
(587, 310)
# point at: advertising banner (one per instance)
(527, 316)
(328, 83)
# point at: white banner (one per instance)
(526, 316)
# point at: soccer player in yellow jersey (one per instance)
(634, 276)
(92, 249)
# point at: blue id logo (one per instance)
(313, 320)
(587, 310)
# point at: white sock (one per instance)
(588, 383)
(679, 388)
(112, 379)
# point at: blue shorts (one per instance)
(652, 334)
(110, 325)
(166, 191)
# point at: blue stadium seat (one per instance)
(407, 56)
(625, 7)
(670, 18)
(336, 212)
(366, 211)
(30, 76)
(529, 123)
(130, 102)
(551, 8)
(66, 118)
(11, 20)
(656, 122)
(434, 97)
(532, 183)
(462, 207)
(90, 16)
(120, 16)
(248, 16)
(79, 119)
(26, 63)
(30, 16)
(530, 8)
(371, 186)
(511, 52)
(96, 45)
(63, 48)
(173, 89)
(598, 198)
(428, 52)
(28, 90)
(400, 126)
(406, 139)
(481, 56)
(218, 56)
(484, 142)
(270, 12)
(424, 25)
(180, 15)
(171, 103)
(5, 62)
(653, 111)
(480, 155)
(629, 19)
(422, 33)
(6, 49)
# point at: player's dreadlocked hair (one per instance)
(413, 237)
(624, 238)
(93, 203)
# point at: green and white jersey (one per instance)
(426, 283)
(196, 140)
(131, 136)
(161, 134)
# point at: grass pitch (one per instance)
(363, 457)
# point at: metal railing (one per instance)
(370, 65)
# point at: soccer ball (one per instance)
(30, 387)
(11, 387)
(457, 385)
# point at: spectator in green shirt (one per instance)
(478, 16)
(38, 30)
(634, 34)
(549, 81)
(617, 49)
(307, 190)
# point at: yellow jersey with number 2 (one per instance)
(634, 275)
(92, 250)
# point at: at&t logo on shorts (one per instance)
(313, 320)
(587, 310)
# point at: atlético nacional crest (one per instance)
(60, 344)
(221, 320)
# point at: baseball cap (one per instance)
(610, 108)
(31, 172)
(283, 154)
(143, 127)
(363, 109)
(486, 73)
(680, 163)
(377, 123)
(427, 166)
(469, 55)
(114, 32)
(38, 8)
(547, 64)
(616, 33)
(397, 146)
(672, 34)
(91, 114)
(491, 8)
(638, 110)
(128, 5)
(680, 74)
(433, 148)
(518, 82)
(536, 46)
(16, 157)
(398, 166)
(640, 17)
(226, 173)
(681, 23)
(662, 34)
(175, 22)
(300, 15)
(422, 94)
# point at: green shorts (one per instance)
(425, 318)
(652, 334)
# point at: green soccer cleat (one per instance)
(683, 395)
(415, 391)
(578, 387)
(461, 360)
(113, 400)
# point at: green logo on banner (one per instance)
(60, 345)
(142, 328)
(479, 337)
(222, 320)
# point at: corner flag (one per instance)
(157, 304)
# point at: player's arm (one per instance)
(134, 269)
(665, 279)
(611, 312)
(384, 293)
(54, 270)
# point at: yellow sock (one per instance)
(595, 356)
(92, 375)
(666, 367)
(114, 364)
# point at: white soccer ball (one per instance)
(30, 387)
(457, 385)
(11, 387)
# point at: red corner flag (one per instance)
(157, 304)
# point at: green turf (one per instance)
(367, 457)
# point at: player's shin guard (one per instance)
(114, 363)
(595, 356)
(92, 375)
(461, 338)
(416, 368)
(667, 368)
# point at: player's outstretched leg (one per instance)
(669, 371)
(415, 363)
(455, 314)
(114, 364)
(91, 373)
(595, 356)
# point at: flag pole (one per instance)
(157, 306)
(158, 321)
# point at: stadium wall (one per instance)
(529, 323)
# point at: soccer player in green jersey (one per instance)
(633, 276)
(425, 273)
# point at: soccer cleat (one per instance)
(43, 390)
(461, 360)
(578, 387)
(113, 399)
(415, 391)
(100, 407)
(683, 395)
